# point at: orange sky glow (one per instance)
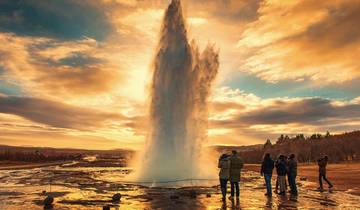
(76, 73)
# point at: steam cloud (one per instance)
(178, 111)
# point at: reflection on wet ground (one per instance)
(92, 188)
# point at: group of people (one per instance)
(230, 168)
(284, 166)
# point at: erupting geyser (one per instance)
(178, 111)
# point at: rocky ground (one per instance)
(74, 187)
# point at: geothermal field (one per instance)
(83, 186)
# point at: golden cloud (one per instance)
(303, 39)
(58, 69)
(266, 118)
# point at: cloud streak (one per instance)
(55, 114)
(301, 111)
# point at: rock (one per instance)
(106, 207)
(44, 192)
(208, 195)
(303, 178)
(174, 197)
(48, 200)
(116, 197)
(192, 194)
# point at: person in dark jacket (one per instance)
(281, 173)
(322, 162)
(236, 164)
(267, 167)
(292, 173)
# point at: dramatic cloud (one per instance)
(304, 39)
(267, 118)
(55, 114)
(58, 68)
(302, 111)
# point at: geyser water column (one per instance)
(178, 110)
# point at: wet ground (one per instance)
(93, 187)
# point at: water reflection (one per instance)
(75, 188)
(286, 202)
(223, 206)
(235, 203)
(269, 202)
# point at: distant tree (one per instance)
(267, 144)
(327, 134)
(280, 139)
(300, 136)
(316, 136)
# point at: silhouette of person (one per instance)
(277, 181)
(322, 162)
(267, 167)
(236, 165)
(224, 173)
(281, 173)
(292, 173)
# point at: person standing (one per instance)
(322, 162)
(224, 174)
(267, 167)
(236, 164)
(292, 173)
(277, 182)
(281, 173)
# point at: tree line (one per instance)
(339, 147)
(36, 156)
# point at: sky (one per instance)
(76, 73)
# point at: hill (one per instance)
(46, 154)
